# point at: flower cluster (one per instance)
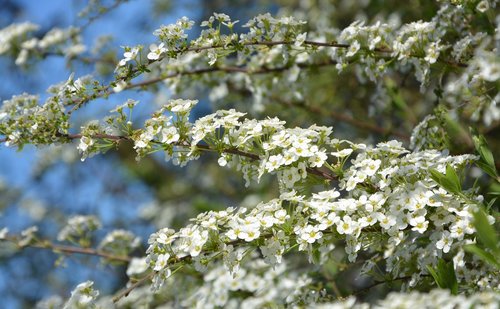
(16, 39)
(434, 299)
(23, 120)
(14, 34)
(120, 242)
(386, 191)
(79, 229)
(82, 296)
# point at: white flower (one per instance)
(353, 49)
(291, 176)
(342, 153)
(137, 266)
(169, 135)
(289, 157)
(82, 296)
(318, 159)
(85, 143)
(281, 215)
(371, 166)
(156, 51)
(129, 55)
(483, 6)
(222, 161)
(300, 39)
(274, 162)
(310, 234)
(445, 242)
(120, 86)
(161, 262)
(180, 105)
(346, 225)
(386, 222)
(3, 233)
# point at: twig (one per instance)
(127, 291)
(345, 118)
(376, 283)
(101, 13)
(106, 90)
(45, 244)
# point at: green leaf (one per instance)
(452, 176)
(487, 161)
(449, 181)
(485, 232)
(491, 203)
(434, 275)
(444, 275)
(483, 255)
(487, 169)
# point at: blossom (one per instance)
(85, 143)
(310, 234)
(169, 135)
(129, 54)
(346, 225)
(156, 51)
(161, 262)
(274, 162)
(180, 105)
(82, 296)
(445, 242)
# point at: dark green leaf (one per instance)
(487, 169)
(485, 232)
(447, 183)
(445, 276)
(452, 176)
(483, 255)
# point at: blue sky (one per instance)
(16, 168)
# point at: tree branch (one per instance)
(127, 291)
(345, 118)
(107, 89)
(56, 248)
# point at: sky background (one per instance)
(82, 188)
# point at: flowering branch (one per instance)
(235, 151)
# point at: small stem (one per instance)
(127, 291)
(45, 244)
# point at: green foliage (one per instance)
(449, 181)
(444, 275)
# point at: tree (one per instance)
(352, 141)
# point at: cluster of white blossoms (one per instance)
(79, 228)
(23, 120)
(120, 242)
(13, 34)
(19, 39)
(434, 299)
(385, 191)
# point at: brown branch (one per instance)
(331, 44)
(45, 244)
(106, 90)
(127, 291)
(345, 118)
(376, 283)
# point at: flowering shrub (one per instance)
(394, 211)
